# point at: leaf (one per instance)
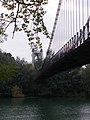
(31, 38)
(26, 16)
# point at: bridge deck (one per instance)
(75, 58)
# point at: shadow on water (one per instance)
(44, 109)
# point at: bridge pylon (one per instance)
(37, 57)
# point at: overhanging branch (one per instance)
(15, 20)
(29, 4)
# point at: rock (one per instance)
(17, 91)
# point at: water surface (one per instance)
(44, 109)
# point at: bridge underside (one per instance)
(75, 58)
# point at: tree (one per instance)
(85, 75)
(26, 15)
(15, 73)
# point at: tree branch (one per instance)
(29, 4)
(15, 21)
(1, 19)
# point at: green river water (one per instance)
(45, 109)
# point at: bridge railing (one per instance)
(72, 44)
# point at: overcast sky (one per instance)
(68, 25)
(19, 45)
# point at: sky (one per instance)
(73, 16)
(19, 45)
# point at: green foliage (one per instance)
(6, 58)
(14, 72)
(26, 15)
(70, 83)
(7, 71)
(21, 74)
(85, 75)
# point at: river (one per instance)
(44, 109)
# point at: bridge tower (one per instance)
(37, 57)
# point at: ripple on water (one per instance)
(44, 109)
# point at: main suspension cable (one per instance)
(54, 27)
(88, 8)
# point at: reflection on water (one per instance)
(44, 109)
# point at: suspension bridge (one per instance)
(74, 32)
